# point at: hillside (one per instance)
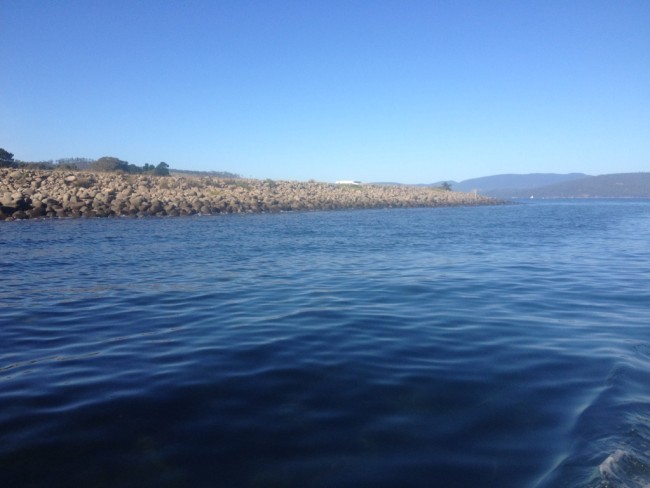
(502, 186)
(620, 185)
(553, 185)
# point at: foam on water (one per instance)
(613, 431)
(624, 469)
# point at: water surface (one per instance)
(460, 347)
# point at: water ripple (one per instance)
(502, 346)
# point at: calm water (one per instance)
(454, 347)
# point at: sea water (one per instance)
(504, 346)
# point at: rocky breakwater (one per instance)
(28, 194)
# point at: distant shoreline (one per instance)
(35, 194)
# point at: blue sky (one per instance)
(408, 91)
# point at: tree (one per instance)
(162, 169)
(6, 158)
(109, 163)
(74, 163)
(446, 186)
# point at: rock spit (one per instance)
(28, 194)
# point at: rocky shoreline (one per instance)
(30, 194)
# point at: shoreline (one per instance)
(37, 194)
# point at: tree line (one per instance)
(104, 164)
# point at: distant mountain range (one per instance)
(551, 185)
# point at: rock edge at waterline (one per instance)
(29, 194)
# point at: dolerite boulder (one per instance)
(17, 201)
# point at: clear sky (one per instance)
(405, 90)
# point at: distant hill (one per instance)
(620, 185)
(552, 185)
(502, 186)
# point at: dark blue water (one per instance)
(499, 346)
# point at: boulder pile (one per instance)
(28, 194)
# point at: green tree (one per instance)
(110, 164)
(6, 158)
(446, 186)
(162, 169)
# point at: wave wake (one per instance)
(624, 469)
